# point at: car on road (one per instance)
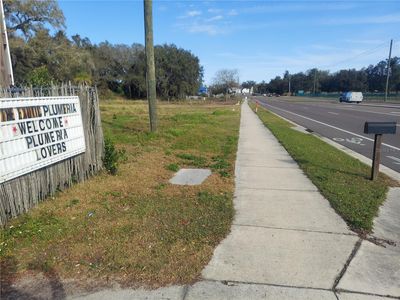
(356, 97)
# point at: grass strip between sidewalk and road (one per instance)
(342, 179)
(135, 228)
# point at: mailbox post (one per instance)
(378, 128)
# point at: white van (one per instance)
(351, 97)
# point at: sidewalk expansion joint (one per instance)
(185, 291)
(337, 297)
(269, 167)
(296, 229)
(346, 265)
(274, 189)
(234, 282)
(366, 294)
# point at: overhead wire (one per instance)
(364, 53)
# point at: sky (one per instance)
(261, 39)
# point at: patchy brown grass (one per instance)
(135, 228)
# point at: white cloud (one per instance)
(214, 10)
(193, 13)
(275, 7)
(203, 28)
(162, 8)
(190, 14)
(216, 18)
(385, 19)
(232, 12)
(364, 41)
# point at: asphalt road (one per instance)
(343, 123)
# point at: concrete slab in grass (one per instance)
(266, 208)
(273, 178)
(374, 270)
(280, 257)
(173, 292)
(387, 224)
(354, 296)
(210, 290)
(190, 176)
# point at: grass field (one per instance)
(136, 228)
(343, 180)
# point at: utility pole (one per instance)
(388, 71)
(150, 68)
(315, 81)
(6, 71)
(289, 86)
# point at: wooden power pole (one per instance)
(6, 72)
(388, 71)
(150, 68)
(315, 82)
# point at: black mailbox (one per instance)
(380, 127)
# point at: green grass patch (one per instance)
(173, 167)
(342, 179)
(196, 161)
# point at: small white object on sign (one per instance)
(37, 132)
(190, 176)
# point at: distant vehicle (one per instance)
(351, 97)
(265, 95)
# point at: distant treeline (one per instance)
(370, 79)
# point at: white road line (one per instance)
(395, 159)
(357, 108)
(368, 111)
(332, 113)
(334, 127)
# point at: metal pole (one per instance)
(376, 159)
(315, 81)
(150, 68)
(7, 57)
(388, 70)
(289, 86)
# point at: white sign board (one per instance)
(37, 132)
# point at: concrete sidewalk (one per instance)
(286, 241)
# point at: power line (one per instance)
(364, 53)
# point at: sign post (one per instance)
(378, 128)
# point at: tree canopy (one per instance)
(40, 58)
(224, 81)
(29, 16)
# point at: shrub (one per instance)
(112, 156)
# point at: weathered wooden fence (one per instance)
(20, 194)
